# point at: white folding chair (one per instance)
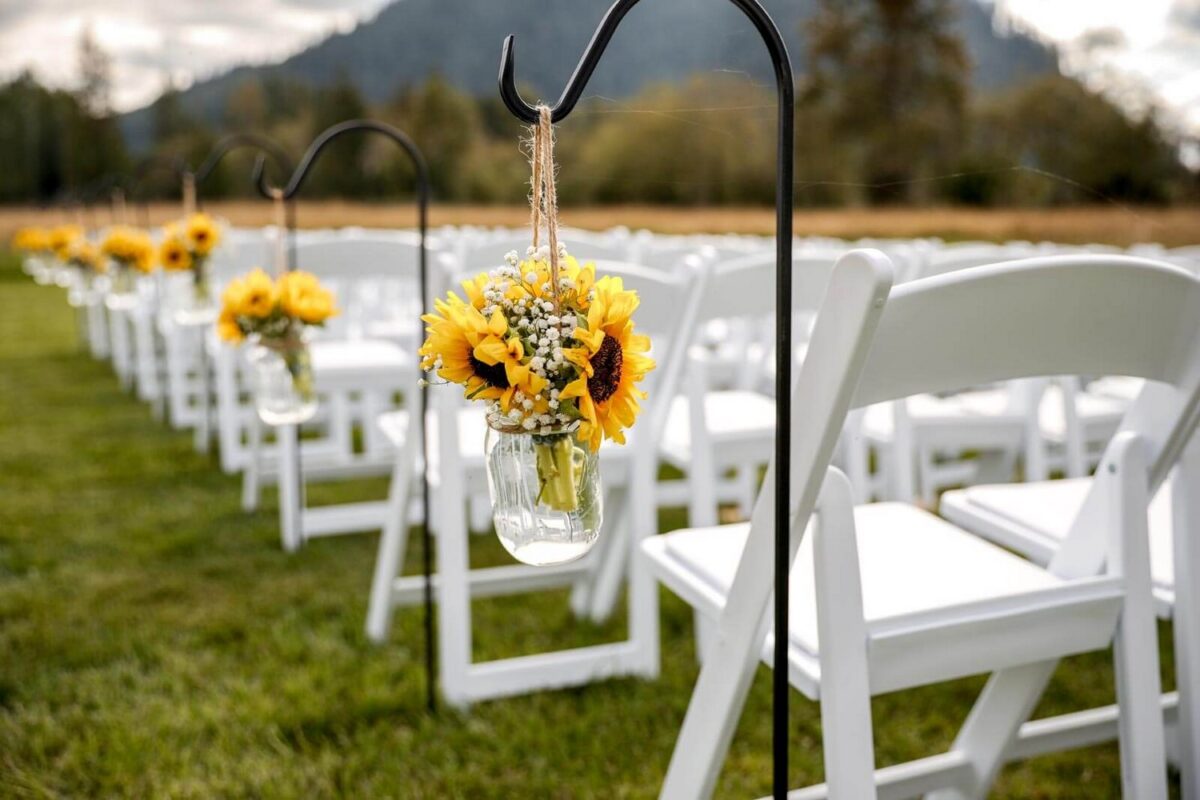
(1034, 519)
(886, 596)
(711, 431)
(667, 313)
(358, 376)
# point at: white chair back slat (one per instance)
(1061, 315)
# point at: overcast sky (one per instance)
(1124, 43)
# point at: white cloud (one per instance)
(1157, 63)
(149, 41)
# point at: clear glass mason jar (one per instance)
(285, 393)
(547, 500)
(121, 279)
(195, 306)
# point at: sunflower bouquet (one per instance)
(86, 257)
(62, 239)
(32, 240)
(129, 249)
(557, 359)
(186, 247)
(276, 315)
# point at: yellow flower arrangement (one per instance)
(276, 313)
(129, 247)
(87, 257)
(62, 238)
(273, 310)
(187, 245)
(549, 360)
(32, 240)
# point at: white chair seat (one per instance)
(348, 361)
(912, 563)
(1118, 387)
(734, 418)
(1034, 518)
(986, 407)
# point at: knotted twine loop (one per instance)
(280, 214)
(544, 201)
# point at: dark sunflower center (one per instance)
(494, 374)
(606, 370)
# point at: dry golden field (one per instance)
(1103, 224)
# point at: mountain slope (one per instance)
(662, 40)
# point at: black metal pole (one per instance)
(423, 194)
(784, 201)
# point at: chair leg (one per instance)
(845, 681)
(1006, 702)
(251, 475)
(1135, 647)
(606, 583)
(1186, 623)
(392, 542)
(290, 487)
(926, 476)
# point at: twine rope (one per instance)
(279, 207)
(544, 200)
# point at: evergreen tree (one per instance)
(340, 169)
(892, 75)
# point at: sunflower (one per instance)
(254, 295)
(465, 347)
(86, 255)
(202, 233)
(174, 254)
(228, 327)
(129, 246)
(612, 360)
(302, 296)
(31, 240)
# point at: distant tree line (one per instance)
(884, 115)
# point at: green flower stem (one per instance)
(555, 456)
(299, 364)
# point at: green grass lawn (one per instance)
(156, 642)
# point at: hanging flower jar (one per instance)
(37, 244)
(62, 241)
(86, 262)
(276, 316)
(131, 252)
(551, 350)
(186, 247)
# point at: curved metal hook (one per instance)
(174, 165)
(323, 140)
(236, 141)
(595, 51)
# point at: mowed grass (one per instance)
(156, 642)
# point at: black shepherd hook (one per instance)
(288, 192)
(239, 141)
(784, 200)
